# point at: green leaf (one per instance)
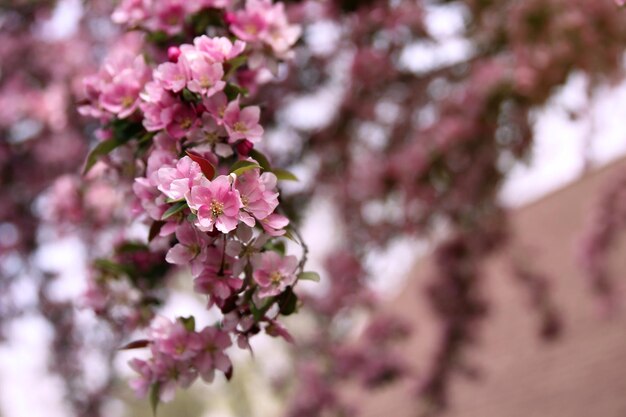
(309, 276)
(290, 236)
(189, 323)
(154, 230)
(276, 246)
(174, 209)
(130, 247)
(191, 97)
(123, 131)
(234, 64)
(240, 167)
(261, 159)
(154, 397)
(102, 149)
(256, 313)
(233, 90)
(107, 265)
(283, 174)
(159, 37)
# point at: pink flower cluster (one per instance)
(265, 23)
(114, 91)
(261, 22)
(162, 15)
(209, 197)
(179, 355)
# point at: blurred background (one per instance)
(560, 139)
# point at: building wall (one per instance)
(581, 374)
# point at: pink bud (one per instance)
(173, 53)
(244, 147)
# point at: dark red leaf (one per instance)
(155, 229)
(207, 169)
(137, 344)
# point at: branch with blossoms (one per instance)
(180, 118)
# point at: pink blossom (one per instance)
(216, 106)
(171, 338)
(169, 16)
(273, 273)
(64, 200)
(151, 201)
(101, 199)
(206, 76)
(181, 118)
(219, 49)
(177, 182)
(218, 278)
(207, 131)
(155, 100)
(171, 373)
(172, 76)
(262, 21)
(211, 344)
(250, 24)
(158, 159)
(274, 224)
(141, 385)
(116, 88)
(276, 329)
(242, 123)
(217, 204)
(190, 249)
(121, 97)
(131, 12)
(258, 193)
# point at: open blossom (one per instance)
(172, 76)
(165, 370)
(216, 106)
(176, 182)
(262, 21)
(116, 88)
(168, 16)
(206, 76)
(219, 49)
(208, 131)
(172, 338)
(155, 102)
(274, 224)
(242, 123)
(163, 111)
(273, 272)
(218, 277)
(211, 343)
(151, 201)
(191, 248)
(258, 193)
(217, 204)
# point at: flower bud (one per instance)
(244, 147)
(173, 53)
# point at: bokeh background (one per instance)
(577, 151)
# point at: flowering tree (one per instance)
(185, 112)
